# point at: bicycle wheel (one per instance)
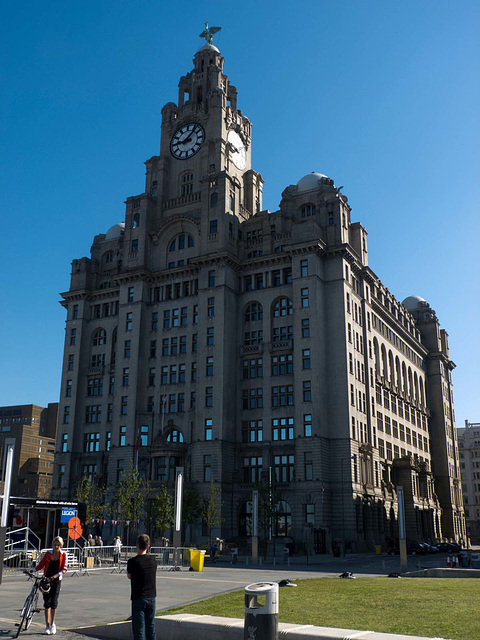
(32, 609)
(25, 609)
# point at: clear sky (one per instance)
(383, 97)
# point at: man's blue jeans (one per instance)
(143, 619)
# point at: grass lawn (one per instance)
(446, 608)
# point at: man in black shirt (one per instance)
(142, 573)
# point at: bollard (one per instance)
(261, 611)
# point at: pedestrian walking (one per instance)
(117, 547)
(142, 573)
(54, 564)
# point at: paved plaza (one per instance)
(103, 597)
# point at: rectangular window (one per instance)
(306, 363)
(305, 327)
(284, 468)
(388, 425)
(93, 414)
(134, 248)
(95, 387)
(207, 468)
(73, 336)
(173, 374)
(209, 366)
(304, 297)
(307, 425)
(381, 448)
(308, 465)
(143, 442)
(307, 391)
(210, 307)
(253, 337)
(195, 314)
(154, 321)
(211, 278)
(180, 403)
(110, 412)
(253, 398)
(209, 396)
(127, 348)
(172, 403)
(252, 469)
(303, 268)
(280, 334)
(68, 388)
(111, 385)
(208, 429)
(129, 321)
(282, 365)
(65, 441)
(210, 336)
(174, 346)
(108, 441)
(164, 376)
(150, 404)
(252, 431)
(194, 343)
(183, 316)
(125, 376)
(310, 515)
(71, 360)
(131, 290)
(282, 428)
(123, 436)
(252, 368)
(193, 397)
(123, 407)
(282, 396)
(213, 226)
(153, 348)
(91, 442)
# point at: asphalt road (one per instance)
(103, 597)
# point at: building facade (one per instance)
(469, 447)
(32, 430)
(254, 347)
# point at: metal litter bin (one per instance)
(261, 611)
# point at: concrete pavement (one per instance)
(103, 597)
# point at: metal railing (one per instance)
(21, 552)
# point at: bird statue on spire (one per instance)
(208, 33)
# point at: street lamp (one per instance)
(343, 498)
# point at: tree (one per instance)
(92, 493)
(163, 510)
(191, 509)
(267, 501)
(211, 509)
(131, 496)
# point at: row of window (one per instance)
(280, 365)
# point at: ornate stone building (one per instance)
(251, 346)
(469, 447)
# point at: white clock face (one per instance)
(186, 142)
(237, 149)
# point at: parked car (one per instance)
(416, 548)
(449, 547)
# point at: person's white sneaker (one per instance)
(47, 631)
(53, 629)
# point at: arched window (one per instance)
(398, 374)
(415, 386)
(99, 337)
(175, 435)
(391, 368)
(253, 312)
(308, 210)
(410, 383)
(284, 518)
(404, 378)
(377, 357)
(136, 221)
(182, 241)
(384, 362)
(282, 307)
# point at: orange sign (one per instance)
(74, 528)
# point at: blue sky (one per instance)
(381, 96)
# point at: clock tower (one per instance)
(204, 167)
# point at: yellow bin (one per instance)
(378, 550)
(196, 559)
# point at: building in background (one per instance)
(255, 348)
(469, 447)
(32, 429)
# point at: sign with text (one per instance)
(67, 514)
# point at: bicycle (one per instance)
(40, 583)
